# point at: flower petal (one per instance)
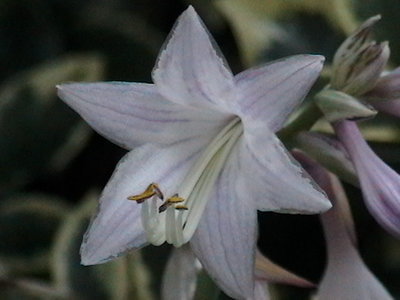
(117, 227)
(271, 92)
(274, 179)
(346, 276)
(180, 275)
(131, 114)
(391, 107)
(190, 70)
(225, 239)
(261, 290)
(387, 87)
(380, 184)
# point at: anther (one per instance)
(150, 191)
(181, 207)
(172, 200)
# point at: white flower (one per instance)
(204, 146)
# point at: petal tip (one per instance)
(190, 14)
(91, 255)
(318, 59)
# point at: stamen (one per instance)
(172, 200)
(150, 191)
(175, 199)
(181, 207)
(183, 210)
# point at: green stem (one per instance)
(309, 114)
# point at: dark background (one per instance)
(52, 166)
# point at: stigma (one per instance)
(175, 220)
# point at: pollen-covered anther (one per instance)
(170, 201)
(150, 191)
(181, 207)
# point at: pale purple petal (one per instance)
(131, 114)
(346, 277)
(270, 93)
(180, 275)
(225, 239)
(379, 183)
(273, 179)
(391, 107)
(387, 87)
(190, 70)
(117, 226)
(329, 152)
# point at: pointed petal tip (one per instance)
(191, 10)
(87, 258)
(64, 90)
(190, 13)
(319, 60)
(312, 58)
(89, 254)
(310, 62)
(93, 255)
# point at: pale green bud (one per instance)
(359, 62)
(337, 106)
(329, 152)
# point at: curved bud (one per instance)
(346, 276)
(358, 39)
(386, 89)
(329, 152)
(379, 183)
(337, 105)
(391, 107)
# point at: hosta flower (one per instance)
(346, 276)
(380, 184)
(204, 158)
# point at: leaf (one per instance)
(27, 227)
(35, 125)
(122, 279)
(259, 24)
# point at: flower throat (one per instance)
(176, 218)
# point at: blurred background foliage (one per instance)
(52, 165)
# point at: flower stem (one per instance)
(308, 116)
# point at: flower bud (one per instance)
(329, 152)
(337, 106)
(359, 62)
(346, 276)
(380, 184)
(387, 88)
(391, 107)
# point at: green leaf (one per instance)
(35, 126)
(27, 227)
(258, 25)
(121, 279)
